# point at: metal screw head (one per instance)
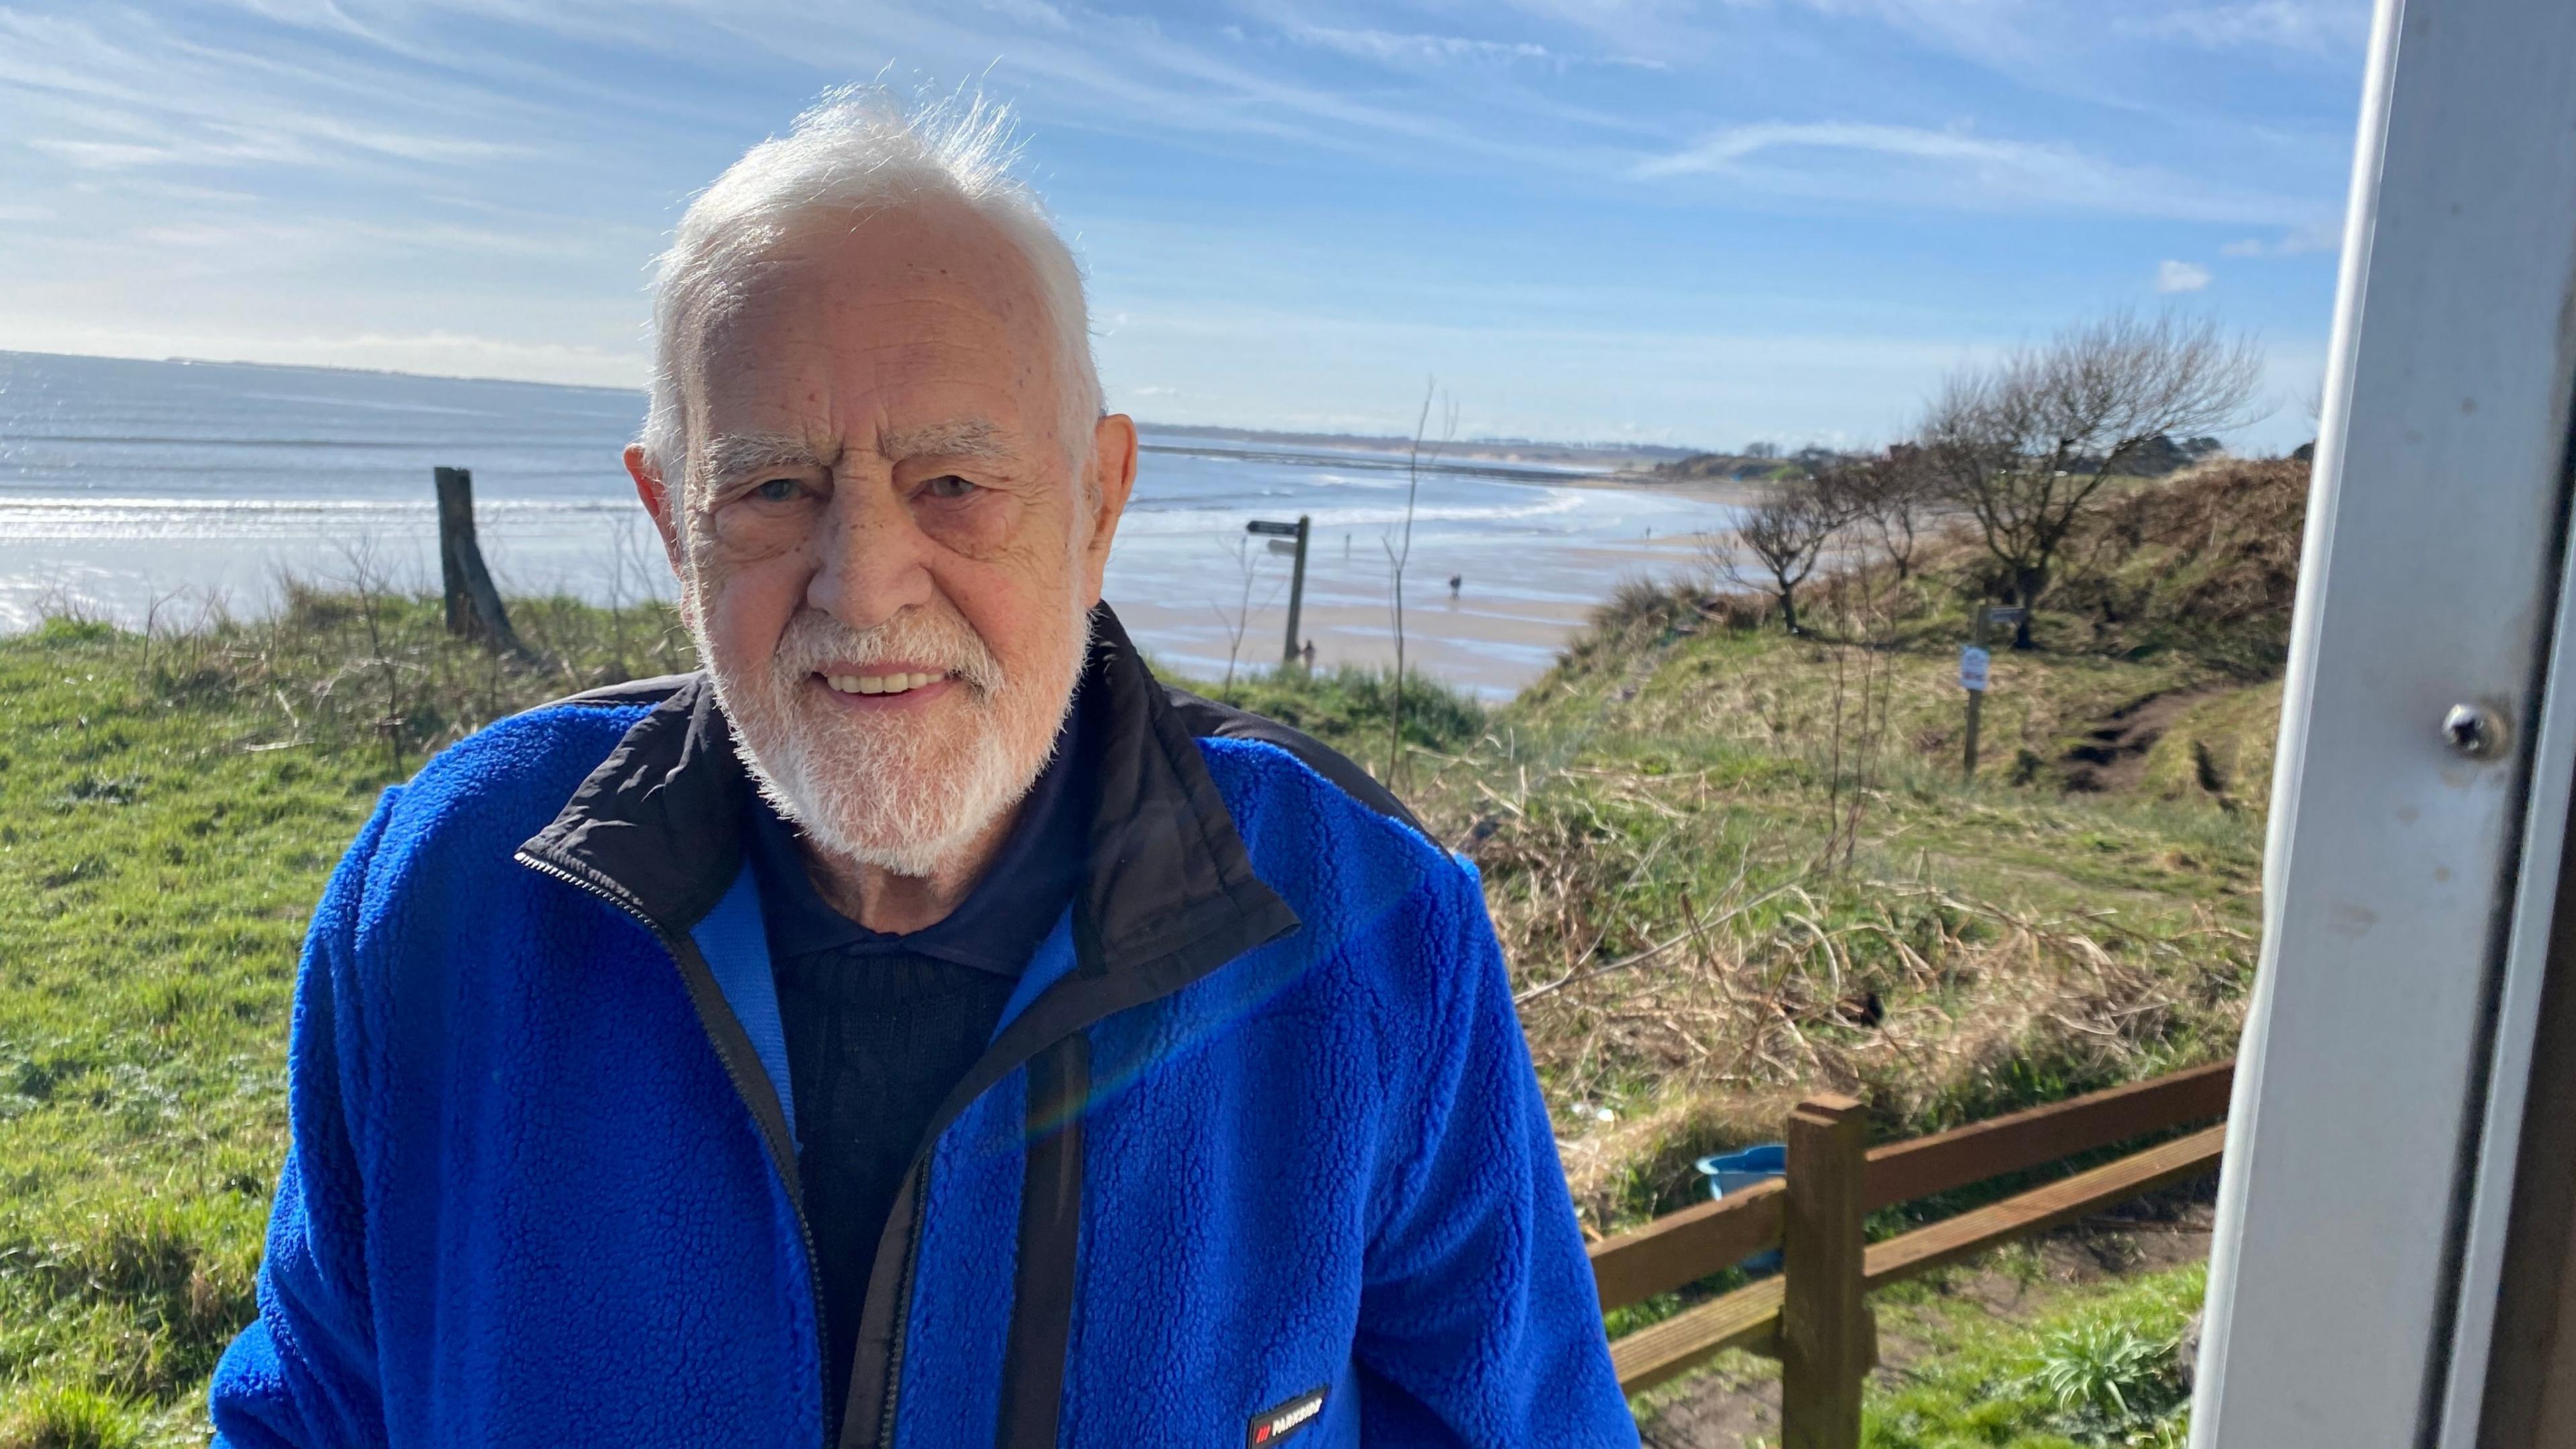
(2474, 731)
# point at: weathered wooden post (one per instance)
(1828, 1340)
(473, 604)
(1281, 536)
(1297, 590)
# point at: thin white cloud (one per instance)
(1420, 51)
(271, 239)
(2002, 33)
(2315, 25)
(437, 353)
(1030, 12)
(131, 93)
(1391, 48)
(2173, 276)
(1972, 171)
(2297, 242)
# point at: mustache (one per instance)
(813, 638)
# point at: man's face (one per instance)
(887, 545)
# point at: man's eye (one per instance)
(776, 490)
(948, 485)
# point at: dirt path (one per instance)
(1733, 1406)
(2113, 755)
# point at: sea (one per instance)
(154, 493)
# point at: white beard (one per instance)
(904, 796)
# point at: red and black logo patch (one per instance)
(1282, 1420)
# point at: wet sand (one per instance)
(1492, 642)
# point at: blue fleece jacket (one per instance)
(525, 1203)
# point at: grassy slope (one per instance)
(168, 810)
(154, 880)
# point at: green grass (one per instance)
(155, 874)
(2061, 1366)
(2096, 1367)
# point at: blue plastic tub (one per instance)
(1734, 1172)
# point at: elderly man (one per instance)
(921, 1028)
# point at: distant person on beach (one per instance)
(921, 1025)
(1454, 581)
(1306, 656)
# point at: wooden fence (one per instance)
(1814, 1316)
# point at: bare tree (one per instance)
(1785, 534)
(2025, 445)
(1894, 493)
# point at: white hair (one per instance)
(858, 150)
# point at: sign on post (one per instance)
(1288, 538)
(1973, 668)
(1973, 662)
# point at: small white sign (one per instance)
(1972, 668)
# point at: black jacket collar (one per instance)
(1168, 892)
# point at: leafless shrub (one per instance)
(1859, 698)
(1895, 493)
(2025, 445)
(1777, 545)
(1246, 564)
(1399, 552)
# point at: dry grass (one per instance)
(1693, 977)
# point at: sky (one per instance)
(1689, 222)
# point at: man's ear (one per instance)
(1112, 478)
(658, 501)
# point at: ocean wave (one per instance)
(1182, 521)
(30, 520)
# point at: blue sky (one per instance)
(1679, 221)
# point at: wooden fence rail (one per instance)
(1813, 1316)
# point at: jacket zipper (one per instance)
(733, 1073)
(899, 1325)
(903, 1306)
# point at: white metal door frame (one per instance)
(2378, 1095)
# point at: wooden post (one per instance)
(455, 514)
(1828, 1340)
(1297, 590)
(473, 604)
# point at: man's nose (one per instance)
(875, 559)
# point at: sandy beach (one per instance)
(1492, 643)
